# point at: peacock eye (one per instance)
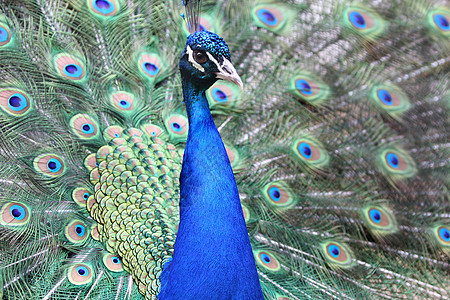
(200, 57)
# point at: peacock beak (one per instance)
(228, 72)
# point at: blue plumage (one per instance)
(212, 258)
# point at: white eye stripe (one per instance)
(211, 58)
(191, 59)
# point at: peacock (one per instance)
(230, 149)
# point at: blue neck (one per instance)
(212, 258)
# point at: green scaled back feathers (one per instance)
(339, 145)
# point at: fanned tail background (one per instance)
(339, 143)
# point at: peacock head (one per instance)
(205, 59)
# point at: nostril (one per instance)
(225, 68)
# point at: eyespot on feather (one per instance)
(267, 260)
(15, 102)
(310, 88)
(390, 99)
(152, 130)
(103, 8)
(277, 194)
(379, 219)
(80, 274)
(337, 254)
(5, 35)
(150, 65)
(112, 262)
(123, 101)
(113, 132)
(76, 231)
(14, 214)
(439, 20)
(84, 126)
(80, 196)
(441, 233)
(364, 21)
(273, 17)
(223, 94)
(396, 163)
(177, 126)
(50, 165)
(69, 67)
(310, 151)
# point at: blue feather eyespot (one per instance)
(364, 21)
(375, 215)
(53, 165)
(272, 17)
(50, 165)
(5, 35)
(277, 194)
(219, 95)
(123, 101)
(113, 132)
(393, 160)
(76, 231)
(303, 87)
(267, 260)
(441, 233)
(73, 70)
(80, 274)
(379, 220)
(112, 262)
(384, 97)
(223, 94)
(337, 254)
(439, 20)
(274, 193)
(444, 234)
(150, 65)
(153, 130)
(268, 18)
(84, 126)
(15, 102)
(390, 98)
(103, 8)
(14, 214)
(69, 67)
(310, 151)
(310, 88)
(80, 196)
(177, 126)
(397, 163)
(305, 150)
(357, 20)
